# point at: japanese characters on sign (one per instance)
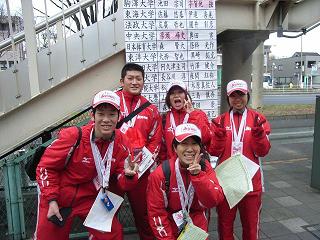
(174, 39)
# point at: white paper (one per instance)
(234, 179)
(252, 167)
(192, 232)
(99, 217)
(213, 161)
(146, 161)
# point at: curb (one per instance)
(291, 135)
(289, 117)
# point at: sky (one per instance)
(286, 47)
(280, 47)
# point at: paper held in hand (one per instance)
(191, 232)
(146, 162)
(235, 177)
(99, 217)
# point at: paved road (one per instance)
(290, 99)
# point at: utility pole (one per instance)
(301, 77)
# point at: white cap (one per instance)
(186, 130)
(179, 83)
(237, 85)
(106, 96)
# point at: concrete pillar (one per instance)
(31, 46)
(257, 77)
(236, 64)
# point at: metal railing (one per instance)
(66, 44)
(51, 21)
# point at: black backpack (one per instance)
(33, 160)
(167, 172)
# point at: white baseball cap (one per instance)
(186, 130)
(106, 96)
(179, 83)
(237, 85)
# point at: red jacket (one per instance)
(52, 176)
(148, 122)
(208, 194)
(197, 117)
(253, 146)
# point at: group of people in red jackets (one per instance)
(174, 192)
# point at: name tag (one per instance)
(146, 161)
(179, 220)
(107, 202)
(124, 128)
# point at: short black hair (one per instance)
(167, 99)
(101, 105)
(131, 67)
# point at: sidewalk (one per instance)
(290, 207)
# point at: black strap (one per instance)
(167, 172)
(132, 114)
(69, 157)
(73, 148)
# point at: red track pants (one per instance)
(249, 209)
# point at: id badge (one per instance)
(124, 128)
(179, 219)
(106, 202)
(136, 151)
(237, 148)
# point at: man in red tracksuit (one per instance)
(76, 185)
(201, 187)
(245, 131)
(147, 130)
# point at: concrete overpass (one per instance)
(53, 83)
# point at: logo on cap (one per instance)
(186, 130)
(106, 96)
(237, 85)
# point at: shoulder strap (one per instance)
(132, 114)
(73, 148)
(167, 172)
(164, 120)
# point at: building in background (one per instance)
(302, 70)
(7, 57)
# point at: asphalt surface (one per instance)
(290, 208)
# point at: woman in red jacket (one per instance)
(192, 188)
(181, 111)
(241, 130)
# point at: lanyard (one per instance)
(186, 198)
(238, 137)
(103, 165)
(126, 111)
(173, 123)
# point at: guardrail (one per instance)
(291, 90)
